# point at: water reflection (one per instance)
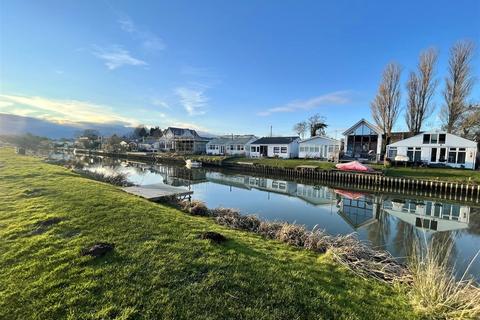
(388, 222)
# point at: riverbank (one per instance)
(159, 268)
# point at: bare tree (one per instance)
(420, 88)
(300, 128)
(317, 125)
(459, 83)
(469, 124)
(386, 105)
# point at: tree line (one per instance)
(458, 114)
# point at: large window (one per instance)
(284, 150)
(426, 139)
(276, 149)
(414, 154)
(456, 155)
(434, 138)
(442, 138)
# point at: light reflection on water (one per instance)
(387, 222)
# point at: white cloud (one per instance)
(333, 98)
(193, 100)
(149, 40)
(61, 110)
(160, 103)
(116, 57)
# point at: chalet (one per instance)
(319, 147)
(275, 147)
(182, 140)
(231, 145)
(436, 148)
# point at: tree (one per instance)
(90, 133)
(469, 127)
(139, 132)
(113, 144)
(458, 85)
(156, 132)
(386, 105)
(300, 128)
(420, 87)
(317, 125)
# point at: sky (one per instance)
(219, 66)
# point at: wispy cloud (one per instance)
(149, 40)
(61, 110)
(116, 57)
(193, 100)
(161, 103)
(333, 98)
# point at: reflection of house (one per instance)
(231, 145)
(316, 195)
(272, 185)
(319, 148)
(430, 215)
(182, 141)
(278, 147)
(359, 212)
(436, 148)
(229, 180)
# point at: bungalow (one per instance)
(320, 148)
(436, 148)
(231, 145)
(279, 147)
(182, 140)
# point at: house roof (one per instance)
(180, 131)
(371, 126)
(275, 140)
(319, 137)
(236, 139)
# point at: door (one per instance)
(433, 155)
(443, 152)
(222, 149)
(264, 151)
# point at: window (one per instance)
(317, 149)
(232, 147)
(434, 138)
(302, 149)
(330, 148)
(452, 155)
(239, 147)
(426, 139)
(414, 154)
(284, 150)
(392, 152)
(441, 138)
(276, 149)
(443, 151)
(312, 149)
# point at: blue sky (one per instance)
(219, 66)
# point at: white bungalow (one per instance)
(231, 145)
(436, 148)
(319, 148)
(275, 147)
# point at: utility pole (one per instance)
(271, 131)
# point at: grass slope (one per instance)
(159, 268)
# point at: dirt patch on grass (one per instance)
(43, 226)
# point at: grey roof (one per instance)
(180, 131)
(275, 140)
(236, 139)
(319, 137)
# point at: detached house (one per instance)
(182, 140)
(271, 147)
(436, 148)
(319, 148)
(231, 145)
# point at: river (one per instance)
(386, 221)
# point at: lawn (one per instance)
(286, 163)
(442, 174)
(159, 269)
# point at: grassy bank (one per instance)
(159, 268)
(440, 174)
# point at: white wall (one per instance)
(292, 151)
(320, 144)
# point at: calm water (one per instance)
(387, 222)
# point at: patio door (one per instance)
(222, 149)
(433, 155)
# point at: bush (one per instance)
(196, 208)
(269, 229)
(292, 234)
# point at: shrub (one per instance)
(292, 234)
(196, 208)
(269, 229)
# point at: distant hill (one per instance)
(16, 125)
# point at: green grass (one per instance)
(441, 174)
(159, 268)
(287, 163)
